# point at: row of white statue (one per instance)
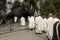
(41, 24)
(22, 20)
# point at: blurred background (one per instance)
(27, 7)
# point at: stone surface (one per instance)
(22, 34)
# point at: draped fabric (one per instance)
(45, 24)
(56, 21)
(31, 24)
(39, 24)
(50, 23)
(54, 32)
(15, 19)
(22, 21)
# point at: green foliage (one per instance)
(51, 6)
(28, 6)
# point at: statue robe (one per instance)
(50, 23)
(45, 24)
(56, 19)
(39, 27)
(15, 19)
(31, 23)
(36, 22)
(22, 21)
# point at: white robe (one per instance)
(36, 21)
(15, 19)
(55, 20)
(31, 22)
(39, 27)
(22, 21)
(45, 24)
(50, 23)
